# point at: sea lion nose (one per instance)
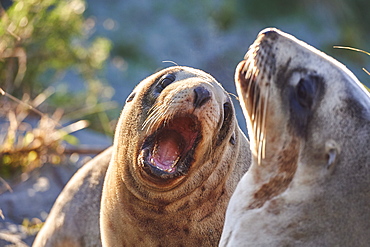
(201, 97)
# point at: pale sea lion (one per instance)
(74, 218)
(308, 119)
(178, 154)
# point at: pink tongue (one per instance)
(166, 153)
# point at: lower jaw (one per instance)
(154, 182)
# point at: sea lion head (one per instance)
(297, 102)
(308, 121)
(171, 126)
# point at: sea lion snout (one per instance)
(201, 97)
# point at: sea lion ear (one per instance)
(332, 151)
(131, 97)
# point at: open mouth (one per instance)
(169, 151)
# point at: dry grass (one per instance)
(33, 226)
(29, 138)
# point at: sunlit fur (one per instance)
(140, 208)
(308, 184)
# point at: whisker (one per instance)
(155, 113)
(161, 114)
(256, 95)
(264, 148)
(147, 121)
(267, 90)
(260, 134)
(251, 79)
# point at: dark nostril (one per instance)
(202, 96)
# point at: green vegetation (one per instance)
(41, 38)
(40, 41)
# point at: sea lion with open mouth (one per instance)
(178, 154)
(177, 158)
(308, 119)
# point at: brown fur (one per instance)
(286, 166)
(188, 210)
(74, 218)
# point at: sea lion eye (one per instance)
(305, 90)
(302, 96)
(165, 81)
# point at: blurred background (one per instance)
(76, 60)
